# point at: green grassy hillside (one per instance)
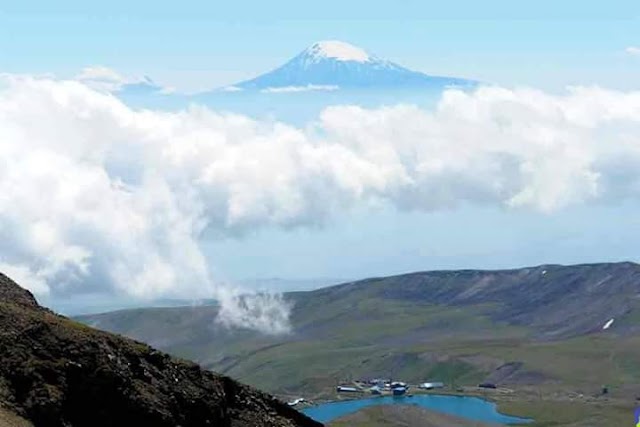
(537, 332)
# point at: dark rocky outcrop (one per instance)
(11, 292)
(56, 372)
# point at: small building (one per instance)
(375, 390)
(487, 385)
(296, 401)
(398, 384)
(399, 391)
(431, 386)
(346, 389)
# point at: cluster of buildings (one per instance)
(397, 388)
(379, 386)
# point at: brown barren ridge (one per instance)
(56, 372)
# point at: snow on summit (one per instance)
(338, 50)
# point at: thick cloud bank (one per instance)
(94, 194)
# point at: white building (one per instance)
(431, 386)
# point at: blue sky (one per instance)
(389, 242)
(194, 45)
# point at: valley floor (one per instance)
(572, 413)
(558, 409)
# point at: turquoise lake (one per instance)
(472, 408)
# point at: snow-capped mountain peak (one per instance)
(335, 64)
(338, 50)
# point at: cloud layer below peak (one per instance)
(96, 195)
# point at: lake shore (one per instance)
(474, 408)
(405, 416)
(561, 406)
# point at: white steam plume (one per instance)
(264, 312)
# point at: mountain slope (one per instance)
(330, 65)
(539, 326)
(553, 301)
(56, 372)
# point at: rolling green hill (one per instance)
(537, 332)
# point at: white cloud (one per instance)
(633, 50)
(99, 73)
(101, 78)
(293, 89)
(107, 80)
(96, 196)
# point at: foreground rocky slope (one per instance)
(56, 372)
